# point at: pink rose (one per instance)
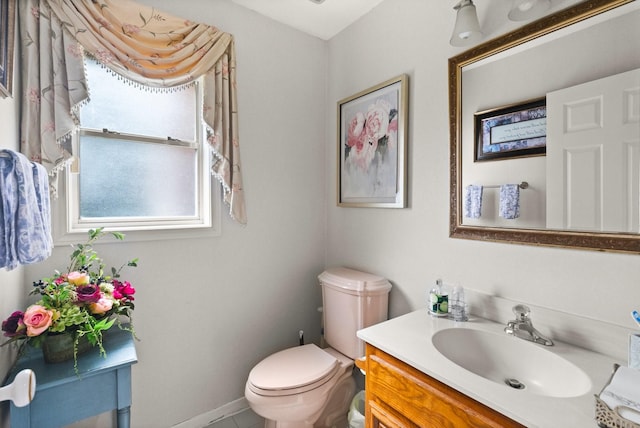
(362, 157)
(101, 306)
(393, 125)
(37, 319)
(354, 134)
(130, 29)
(35, 12)
(34, 96)
(377, 120)
(78, 278)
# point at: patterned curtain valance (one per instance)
(139, 43)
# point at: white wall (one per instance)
(411, 246)
(12, 288)
(207, 310)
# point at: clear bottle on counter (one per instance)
(458, 304)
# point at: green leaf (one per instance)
(94, 233)
(118, 235)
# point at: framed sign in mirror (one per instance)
(7, 31)
(511, 131)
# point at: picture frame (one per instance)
(372, 146)
(514, 131)
(7, 37)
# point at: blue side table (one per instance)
(64, 397)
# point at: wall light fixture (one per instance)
(523, 10)
(467, 29)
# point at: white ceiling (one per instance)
(328, 18)
(323, 20)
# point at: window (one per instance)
(143, 162)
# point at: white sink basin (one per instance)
(513, 362)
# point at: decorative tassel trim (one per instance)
(60, 166)
(53, 176)
(142, 86)
(225, 187)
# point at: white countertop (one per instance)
(408, 338)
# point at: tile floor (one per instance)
(244, 419)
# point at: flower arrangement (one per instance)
(82, 301)
(370, 134)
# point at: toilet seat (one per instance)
(293, 371)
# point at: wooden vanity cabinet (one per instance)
(398, 395)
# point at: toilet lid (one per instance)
(293, 370)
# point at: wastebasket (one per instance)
(356, 411)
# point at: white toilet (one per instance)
(307, 386)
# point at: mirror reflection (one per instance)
(588, 177)
(554, 105)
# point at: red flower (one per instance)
(14, 325)
(88, 293)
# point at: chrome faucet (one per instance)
(523, 328)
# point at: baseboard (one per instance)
(212, 416)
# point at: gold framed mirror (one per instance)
(502, 46)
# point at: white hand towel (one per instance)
(473, 201)
(624, 390)
(509, 201)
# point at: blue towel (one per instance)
(25, 229)
(41, 186)
(510, 201)
(473, 201)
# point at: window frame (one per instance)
(68, 224)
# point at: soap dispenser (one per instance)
(439, 300)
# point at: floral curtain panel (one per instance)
(141, 44)
(53, 87)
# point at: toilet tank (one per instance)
(352, 300)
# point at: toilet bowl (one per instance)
(307, 386)
(315, 390)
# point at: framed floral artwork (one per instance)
(513, 131)
(7, 31)
(372, 146)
